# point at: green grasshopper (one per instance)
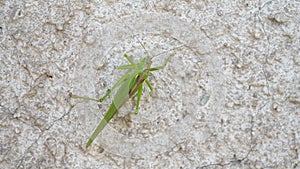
(131, 83)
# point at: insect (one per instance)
(131, 84)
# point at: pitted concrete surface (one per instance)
(228, 98)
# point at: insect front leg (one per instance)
(131, 66)
(162, 66)
(130, 59)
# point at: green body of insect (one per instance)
(131, 83)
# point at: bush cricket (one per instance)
(131, 84)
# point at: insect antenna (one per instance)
(148, 53)
(169, 50)
(143, 47)
(151, 56)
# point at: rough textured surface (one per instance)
(229, 98)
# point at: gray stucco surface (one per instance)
(228, 98)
